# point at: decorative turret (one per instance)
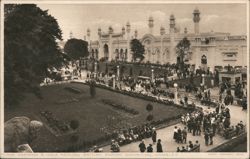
(185, 31)
(136, 34)
(128, 27)
(150, 24)
(162, 31)
(88, 32)
(172, 21)
(123, 30)
(99, 31)
(196, 19)
(70, 35)
(110, 30)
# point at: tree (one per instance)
(31, 51)
(182, 49)
(74, 124)
(138, 49)
(76, 48)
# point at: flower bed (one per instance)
(120, 107)
(57, 127)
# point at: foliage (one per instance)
(138, 49)
(31, 52)
(74, 138)
(149, 107)
(150, 117)
(76, 48)
(182, 49)
(74, 124)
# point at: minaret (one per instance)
(88, 36)
(151, 24)
(70, 35)
(123, 31)
(172, 39)
(100, 52)
(110, 56)
(162, 32)
(196, 20)
(185, 31)
(136, 34)
(128, 42)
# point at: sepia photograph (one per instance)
(114, 78)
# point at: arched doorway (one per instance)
(121, 55)
(96, 53)
(106, 51)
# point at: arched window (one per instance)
(204, 59)
(106, 51)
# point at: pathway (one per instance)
(169, 145)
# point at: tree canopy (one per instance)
(138, 49)
(31, 52)
(76, 48)
(182, 48)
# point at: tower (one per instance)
(136, 34)
(70, 35)
(88, 36)
(162, 32)
(100, 51)
(196, 19)
(128, 42)
(150, 24)
(123, 31)
(111, 54)
(172, 39)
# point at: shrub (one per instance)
(149, 107)
(150, 117)
(74, 138)
(74, 124)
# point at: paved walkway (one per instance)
(169, 145)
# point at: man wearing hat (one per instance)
(154, 134)
(142, 146)
(159, 146)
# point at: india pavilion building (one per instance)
(219, 49)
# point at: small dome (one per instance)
(128, 24)
(196, 10)
(150, 18)
(172, 17)
(99, 29)
(88, 30)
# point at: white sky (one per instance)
(78, 17)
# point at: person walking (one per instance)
(154, 135)
(159, 146)
(142, 146)
(184, 135)
(150, 148)
(206, 136)
(175, 133)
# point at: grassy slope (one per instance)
(91, 113)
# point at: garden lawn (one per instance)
(91, 113)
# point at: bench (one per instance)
(230, 134)
(196, 148)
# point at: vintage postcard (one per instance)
(124, 79)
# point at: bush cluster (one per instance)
(120, 107)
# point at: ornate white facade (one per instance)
(220, 49)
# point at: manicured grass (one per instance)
(91, 113)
